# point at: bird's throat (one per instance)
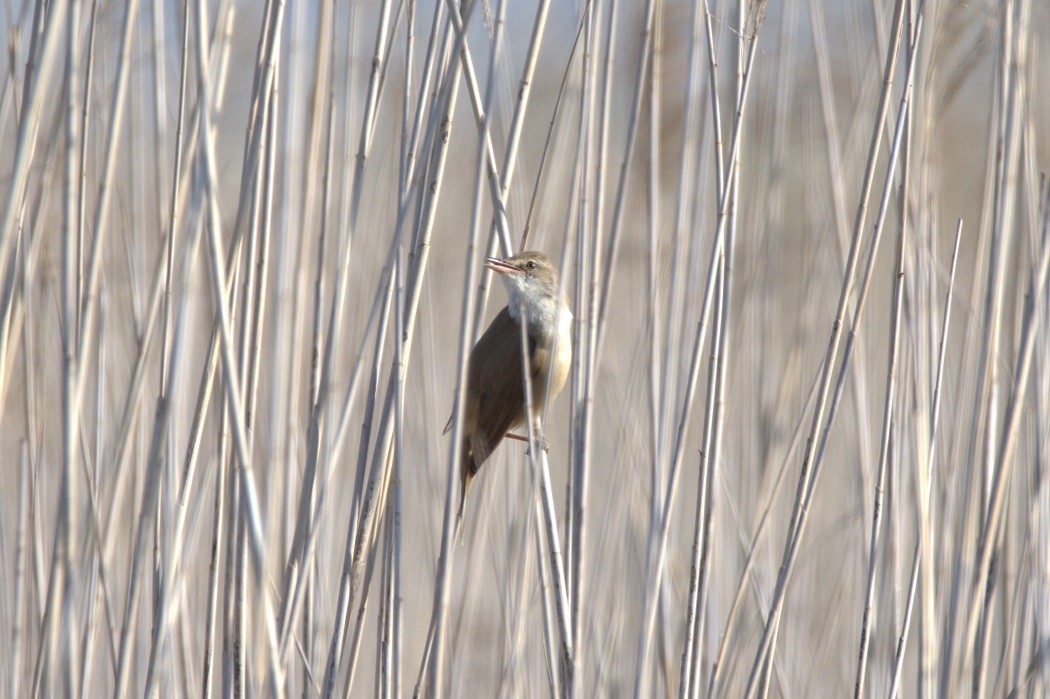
(543, 318)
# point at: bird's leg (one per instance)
(543, 441)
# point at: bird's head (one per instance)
(529, 277)
(531, 280)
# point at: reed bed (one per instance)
(803, 446)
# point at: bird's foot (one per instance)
(543, 441)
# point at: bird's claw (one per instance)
(544, 444)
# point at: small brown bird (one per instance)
(495, 398)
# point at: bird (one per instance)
(495, 396)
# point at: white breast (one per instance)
(563, 357)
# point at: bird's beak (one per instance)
(500, 267)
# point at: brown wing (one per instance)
(494, 395)
(494, 402)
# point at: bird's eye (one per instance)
(530, 264)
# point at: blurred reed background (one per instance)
(803, 447)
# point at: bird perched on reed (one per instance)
(495, 397)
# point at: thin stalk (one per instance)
(765, 652)
(366, 427)
(395, 504)
(550, 642)
(232, 384)
(577, 222)
(708, 462)
(308, 489)
(434, 658)
(924, 534)
(888, 412)
(659, 535)
(354, 572)
(66, 579)
(992, 520)
(40, 74)
(19, 582)
(615, 226)
(561, 597)
(591, 173)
